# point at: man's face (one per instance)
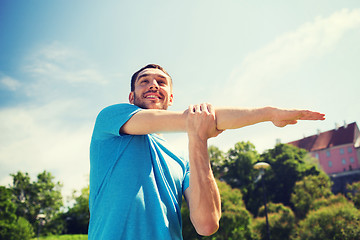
(152, 90)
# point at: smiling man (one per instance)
(154, 85)
(137, 180)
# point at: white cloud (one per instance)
(52, 130)
(9, 83)
(63, 64)
(37, 139)
(289, 51)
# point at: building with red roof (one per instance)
(337, 150)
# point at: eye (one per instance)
(144, 81)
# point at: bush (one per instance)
(354, 193)
(338, 221)
(11, 226)
(24, 229)
(307, 190)
(281, 222)
(21, 229)
(332, 200)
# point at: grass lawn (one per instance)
(64, 237)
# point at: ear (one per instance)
(171, 98)
(131, 97)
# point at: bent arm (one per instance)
(203, 196)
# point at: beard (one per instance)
(142, 103)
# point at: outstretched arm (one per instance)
(152, 121)
(202, 196)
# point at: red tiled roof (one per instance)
(329, 139)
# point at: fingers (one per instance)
(310, 115)
(201, 121)
(202, 108)
(211, 109)
(191, 109)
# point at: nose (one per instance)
(154, 84)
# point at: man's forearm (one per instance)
(233, 118)
(203, 194)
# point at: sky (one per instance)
(61, 62)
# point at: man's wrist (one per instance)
(195, 138)
(270, 113)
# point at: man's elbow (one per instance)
(207, 227)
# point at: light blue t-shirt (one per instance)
(136, 182)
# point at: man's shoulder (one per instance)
(119, 108)
(111, 119)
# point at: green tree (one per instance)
(12, 227)
(239, 172)
(281, 222)
(328, 201)
(217, 160)
(239, 165)
(38, 197)
(307, 190)
(235, 222)
(77, 217)
(288, 166)
(354, 193)
(339, 221)
(7, 206)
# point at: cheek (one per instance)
(166, 90)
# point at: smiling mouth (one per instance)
(152, 95)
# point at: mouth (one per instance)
(152, 96)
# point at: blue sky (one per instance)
(61, 62)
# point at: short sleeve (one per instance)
(112, 118)
(186, 182)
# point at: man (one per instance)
(137, 181)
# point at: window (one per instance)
(351, 159)
(317, 155)
(343, 161)
(341, 151)
(327, 153)
(330, 163)
(349, 149)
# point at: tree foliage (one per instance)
(238, 166)
(42, 196)
(293, 184)
(237, 171)
(354, 193)
(307, 190)
(77, 217)
(338, 221)
(11, 226)
(281, 223)
(235, 222)
(328, 201)
(217, 161)
(287, 167)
